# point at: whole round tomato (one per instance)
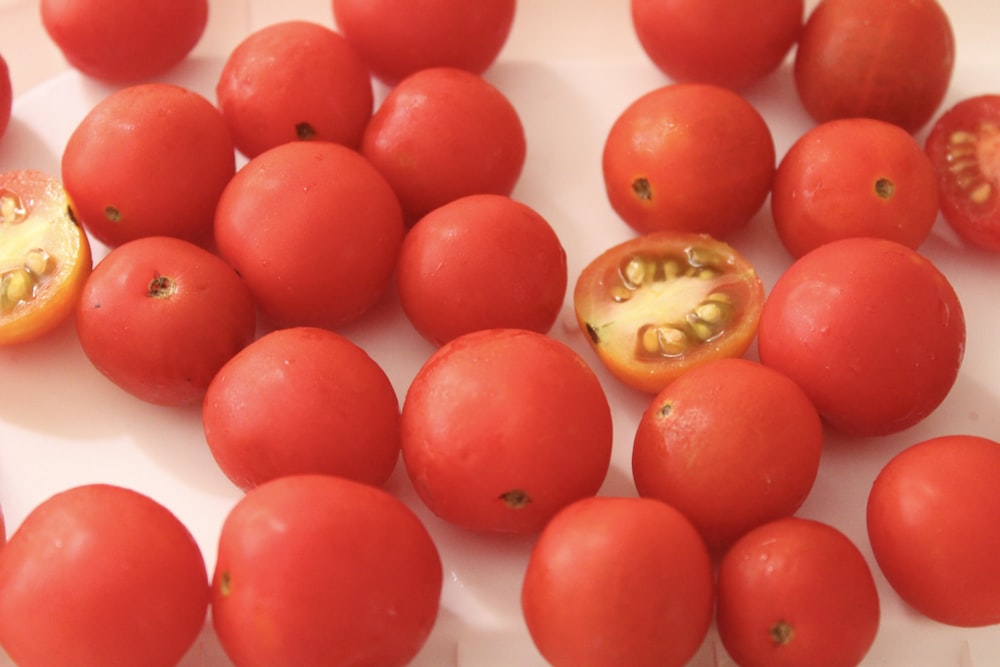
(730, 44)
(165, 155)
(854, 177)
(268, 93)
(449, 262)
(45, 256)
(688, 157)
(101, 575)
(399, 37)
(314, 230)
(302, 400)
(160, 316)
(618, 581)
(870, 329)
(122, 41)
(6, 96)
(963, 146)
(886, 59)
(931, 523)
(662, 303)
(502, 428)
(444, 133)
(322, 571)
(794, 592)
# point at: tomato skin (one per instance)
(322, 571)
(101, 575)
(159, 317)
(854, 177)
(730, 44)
(870, 329)
(618, 581)
(931, 523)
(796, 591)
(554, 445)
(6, 96)
(886, 59)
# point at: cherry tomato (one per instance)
(322, 571)
(886, 59)
(449, 263)
(502, 428)
(101, 575)
(872, 331)
(160, 316)
(399, 37)
(6, 96)
(793, 592)
(688, 157)
(618, 581)
(931, 523)
(732, 444)
(854, 177)
(730, 44)
(122, 41)
(964, 147)
(45, 256)
(314, 230)
(444, 133)
(165, 155)
(659, 304)
(268, 91)
(302, 400)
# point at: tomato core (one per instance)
(162, 287)
(884, 188)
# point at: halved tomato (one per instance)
(659, 304)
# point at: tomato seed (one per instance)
(11, 209)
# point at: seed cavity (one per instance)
(966, 153)
(22, 284)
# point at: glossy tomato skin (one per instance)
(854, 177)
(302, 400)
(886, 59)
(160, 316)
(931, 523)
(120, 41)
(657, 305)
(796, 591)
(6, 96)
(322, 571)
(730, 44)
(165, 154)
(449, 262)
(501, 428)
(962, 146)
(618, 581)
(268, 93)
(444, 133)
(399, 37)
(101, 575)
(871, 330)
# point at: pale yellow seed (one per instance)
(671, 268)
(634, 272)
(37, 261)
(9, 209)
(962, 137)
(664, 340)
(981, 193)
(719, 297)
(702, 331)
(710, 313)
(18, 286)
(621, 294)
(707, 274)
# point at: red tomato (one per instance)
(963, 146)
(872, 331)
(314, 230)
(160, 316)
(322, 571)
(165, 154)
(885, 59)
(268, 91)
(302, 400)
(121, 40)
(932, 526)
(6, 96)
(399, 37)
(502, 428)
(443, 133)
(731, 44)
(796, 592)
(854, 177)
(449, 263)
(618, 581)
(101, 575)
(659, 304)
